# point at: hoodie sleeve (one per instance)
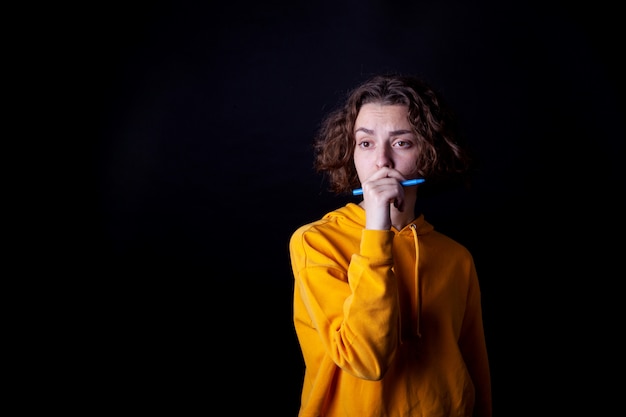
(473, 346)
(346, 304)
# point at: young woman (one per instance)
(387, 310)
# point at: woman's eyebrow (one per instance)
(400, 132)
(392, 133)
(362, 129)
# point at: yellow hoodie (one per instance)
(389, 322)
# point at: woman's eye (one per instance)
(364, 144)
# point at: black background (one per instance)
(199, 124)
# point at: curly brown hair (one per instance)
(441, 154)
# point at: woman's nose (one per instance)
(382, 158)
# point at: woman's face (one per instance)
(384, 138)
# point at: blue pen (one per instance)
(359, 191)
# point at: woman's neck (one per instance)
(399, 219)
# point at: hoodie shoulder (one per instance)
(349, 216)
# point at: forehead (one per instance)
(377, 113)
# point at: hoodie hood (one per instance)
(352, 215)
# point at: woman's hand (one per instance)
(381, 190)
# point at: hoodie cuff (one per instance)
(377, 244)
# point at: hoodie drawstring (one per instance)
(418, 291)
